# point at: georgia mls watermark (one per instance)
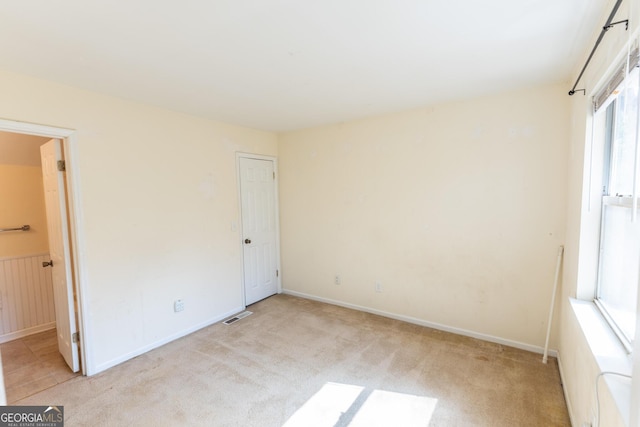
(31, 416)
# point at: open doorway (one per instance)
(30, 304)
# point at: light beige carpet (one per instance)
(301, 363)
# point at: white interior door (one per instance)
(57, 226)
(259, 228)
(3, 395)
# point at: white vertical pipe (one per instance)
(553, 303)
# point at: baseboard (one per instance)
(26, 332)
(433, 325)
(564, 390)
(113, 362)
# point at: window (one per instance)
(619, 257)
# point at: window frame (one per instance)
(607, 200)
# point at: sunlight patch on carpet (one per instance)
(326, 406)
(342, 405)
(386, 408)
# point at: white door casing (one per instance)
(59, 249)
(259, 228)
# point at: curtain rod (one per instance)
(606, 28)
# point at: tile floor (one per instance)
(32, 364)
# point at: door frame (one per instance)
(75, 219)
(242, 155)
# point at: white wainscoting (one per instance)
(26, 297)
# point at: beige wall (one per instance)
(22, 202)
(158, 196)
(457, 210)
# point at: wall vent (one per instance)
(237, 317)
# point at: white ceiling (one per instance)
(291, 64)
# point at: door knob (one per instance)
(247, 241)
(47, 264)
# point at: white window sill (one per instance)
(608, 352)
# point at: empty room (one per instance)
(342, 213)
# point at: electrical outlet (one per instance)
(338, 279)
(378, 287)
(178, 305)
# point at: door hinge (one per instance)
(75, 337)
(277, 273)
(274, 175)
(62, 165)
